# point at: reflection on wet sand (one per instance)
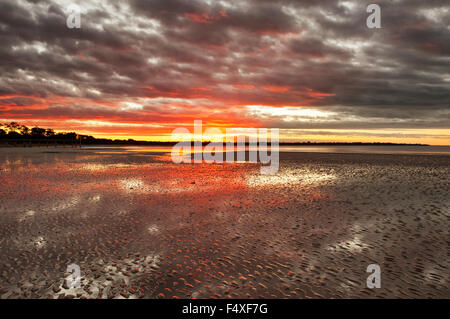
(142, 228)
(290, 177)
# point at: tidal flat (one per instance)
(140, 226)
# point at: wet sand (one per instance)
(140, 226)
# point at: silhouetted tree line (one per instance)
(14, 131)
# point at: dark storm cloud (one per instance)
(229, 53)
(314, 47)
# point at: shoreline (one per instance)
(436, 150)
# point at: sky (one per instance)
(139, 69)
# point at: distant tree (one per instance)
(71, 135)
(13, 127)
(49, 132)
(24, 130)
(2, 132)
(37, 131)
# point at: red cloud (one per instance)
(318, 94)
(277, 89)
(244, 86)
(205, 18)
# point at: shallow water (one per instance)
(354, 149)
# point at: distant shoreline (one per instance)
(51, 142)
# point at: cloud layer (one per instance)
(155, 65)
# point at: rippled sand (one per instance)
(142, 227)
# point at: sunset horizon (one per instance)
(413, 136)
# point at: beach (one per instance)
(140, 226)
